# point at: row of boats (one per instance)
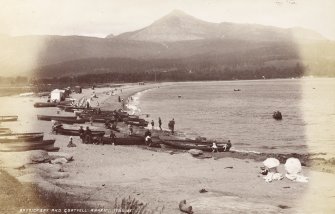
(97, 116)
(14, 142)
(83, 115)
(158, 141)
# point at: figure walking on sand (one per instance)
(130, 127)
(152, 124)
(171, 125)
(160, 123)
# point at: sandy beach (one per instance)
(162, 178)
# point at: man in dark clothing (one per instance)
(88, 135)
(171, 125)
(147, 133)
(82, 134)
(152, 124)
(112, 138)
(160, 123)
(108, 124)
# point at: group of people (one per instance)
(85, 135)
(171, 124)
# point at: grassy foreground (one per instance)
(19, 198)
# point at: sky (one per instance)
(102, 17)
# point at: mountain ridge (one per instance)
(180, 26)
(207, 43)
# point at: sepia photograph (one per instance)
(167, 106)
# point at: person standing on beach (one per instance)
(152, 124)
(160, 123)
(112, 137)
(171, 125)
(88, 135)
(130, 127)
(82, 134)
(119, 99)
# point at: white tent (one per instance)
(56, 95)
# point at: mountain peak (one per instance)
(180, 26)
(176, 16)
(177, 12)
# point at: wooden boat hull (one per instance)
(128, 140)
(8, 118)
(44, 105)
(47, 145)
(5, 131)
(72, 121)
(49, 118)
(22, 134)
(75, 132)
(188, 144)
(72, 108)
(136, 123)
(15, 138)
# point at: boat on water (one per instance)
(47, 145)
(8, 118)
(187, 144)
(277, 115)
(44, 105)
(75, 132)
(50, 117)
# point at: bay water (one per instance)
(242, 112)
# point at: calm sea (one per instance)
(216, 110)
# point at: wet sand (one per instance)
(163, 178)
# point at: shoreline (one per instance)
(163, 177)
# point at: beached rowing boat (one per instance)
(125, 140)
(8, 118)
(137, 123)
(50, 117)
(23, 134)
(187, 144)
(71, 121)
(44, 105)
(5, 131)
(25, 138)
(47, 145)
(75, 132)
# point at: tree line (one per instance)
(200, 74)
